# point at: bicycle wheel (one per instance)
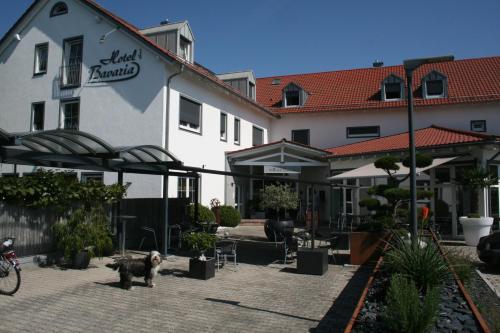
(10, 280)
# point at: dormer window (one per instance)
(392, 88)
(185, 49)
(293, 95)
(434, 85)
(59, 8)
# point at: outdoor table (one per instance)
(123, 219)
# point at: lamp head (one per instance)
(411, 64)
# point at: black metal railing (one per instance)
(71, 75)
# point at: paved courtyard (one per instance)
(266, 297)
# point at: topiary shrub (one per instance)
(229, 216)
(204, 213)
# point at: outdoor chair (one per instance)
(225, 249)
(175, 233)
(287, 240)
(148, 231)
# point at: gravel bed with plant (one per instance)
(414, 291)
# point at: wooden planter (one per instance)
(202, 269)
(312, 261)
(363, 245)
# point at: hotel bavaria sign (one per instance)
(120, 66)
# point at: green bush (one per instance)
(423, 265)
(405, 312)
(199, 241)
(84, 230)
(229, 216)
(204, 213)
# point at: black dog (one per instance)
(146, 267)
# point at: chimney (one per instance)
(164, 22)
(378, 63)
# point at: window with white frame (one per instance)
(186, 188)
(392, 88)
(223, 126)
(190, 115)
(293, 95)
(185, 49)
(257, 136)
(71, 71)
(236, 131)
(363, 132)
(59, 8)
(301, 136)
(41, 58)
(478, 125)
(92, 176)
(70, 114)
(434, 85)
(37, 116)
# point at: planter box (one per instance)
(312, 261)
(363, 246)
(81, 260)
(202, 270)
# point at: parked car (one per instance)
(488, 249)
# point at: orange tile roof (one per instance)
(469, 81)
(433, 136)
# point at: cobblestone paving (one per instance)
(255, 298)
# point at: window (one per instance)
(392, 88)
(251, 90)
(186, 188)
(37, 116)
(275, 82)
(92, 176)
(41, 56)
(363, 132)
(70, 112)
(434, 88)
(478, 125)
(301, 136)
(293, 95)
(59, 8)
(190, 115)
(236, 131)
(223, 126)
(257, 136)
(71, 71)
(434, 85)
(185, 49)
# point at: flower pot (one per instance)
(475, 228)
(363, 246)
(312, 261)
(81, 260)
(202, 269)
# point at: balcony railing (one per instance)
(71, 75)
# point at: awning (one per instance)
(370, 170)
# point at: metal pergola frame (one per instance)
(73, 149)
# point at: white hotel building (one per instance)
(74, 65)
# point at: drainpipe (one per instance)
(165, 177)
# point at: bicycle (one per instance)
(10, 269)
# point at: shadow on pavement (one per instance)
(339, 314)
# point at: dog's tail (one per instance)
(114, 265)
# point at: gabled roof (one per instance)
(430, 137)
(136, 32)
(469, 81)
(278, 143)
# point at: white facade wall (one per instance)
(206, 149)
(329, 129)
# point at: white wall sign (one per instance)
(118, 67)
(281, 169)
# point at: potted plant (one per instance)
(82, 236)
(277, 198)
(474, 225)
(200, 267)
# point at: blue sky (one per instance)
(277, 37)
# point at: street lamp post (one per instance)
(410, 66)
